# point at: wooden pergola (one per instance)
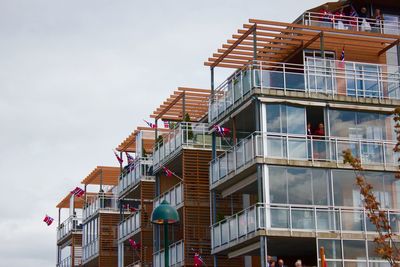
(272, 41)
(102, 175)
(78, 201)
(129, 144)
(193, 101)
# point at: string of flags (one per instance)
(48, 220)
(78, 192)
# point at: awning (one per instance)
(103, 175)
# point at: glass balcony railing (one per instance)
(129, 225)
(90, 250)
(187, 135)
(295, 218)
(67, 262)
(176, 255)
(104, 203)
(132, 175)
(350, 23)
(72, 224)
(330, 77)
(174, 196)
(301, 147)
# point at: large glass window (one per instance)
(361, 125)
(286, 119)
(354, 249)
(304, 186)
(346, 192)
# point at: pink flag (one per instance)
(133, 244)
(167, 171)
(166, 124)
(151, 125)
(198, 261)
(130, 158)
(120, 160)
(79, 192)
(48, 220)
(221, 131)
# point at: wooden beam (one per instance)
(233, 46)
(388, 47)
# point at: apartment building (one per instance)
(300, 94)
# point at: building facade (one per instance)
(303, 93)
(275, 184)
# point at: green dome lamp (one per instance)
(165, 214)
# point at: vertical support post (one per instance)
(213, 156)
(155, 131)
(59, 216)
(166, 248)
(322, 45)
(101, 181)
(263, 251)
(183, 106)
(398, 54)
(255, 43)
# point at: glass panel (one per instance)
(278, 185)
(276, 146)
(299, 186)
(352, 220)
(354, 249)
(242, 224)
(302, 219)
(225, 233)
(279, 218)
(296, 121)
(297, 148)
(233, 228)
(295, 81)
(333, 248)
(328, 220)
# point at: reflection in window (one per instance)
(346, 192)
(361, 125)
(286, 119)
(354, 249)
(304, 186)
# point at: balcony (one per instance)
(174, 196)
(348, 23)
(294, 218)
(129, 226)
(106, 203)
(313, 149)
(317, 77)
(67, 262)
(176, 255)
(138, 172)
(90, 250)
(70, 225)
(185, 135)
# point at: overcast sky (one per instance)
(77, 77)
